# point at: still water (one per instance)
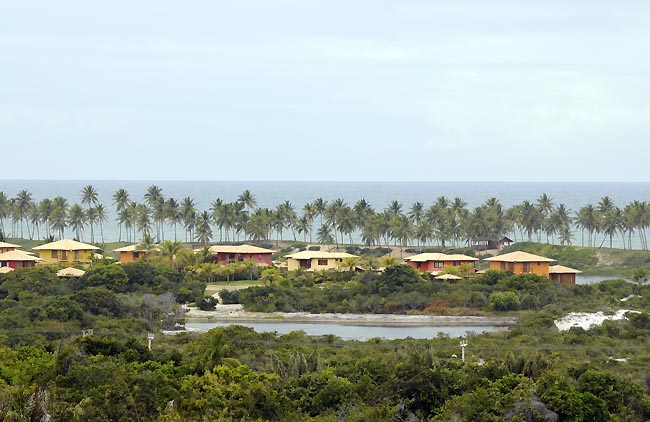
(350, 332)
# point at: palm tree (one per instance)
(102, 217)
(394, 207)
(4, 210)
(172, 213)
(423, 232)
(416, 212)
(169, 250)
(89, 195)
(23, 203)
(545, 206)
(320, 205)
(346, 222)
(259, 225)
(370, 234)
(248, 199)
(324, 236)
(203, 230)
(156, 201)
(401, 230)
(59, 215)
(142, 220)
(77, 220)
(121, 200)
(188, 215)
(91, 218)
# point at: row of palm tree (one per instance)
(446, 222)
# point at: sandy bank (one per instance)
(235, 313)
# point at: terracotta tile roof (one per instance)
(424, 257)
(519, 256)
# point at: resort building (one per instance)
(131, 253)
(317, 260)
(485, 243)
(563, 275)
(436, 262)
(65, 252)
(18, 259)
(225, 254)
(521, 263)
(8, 247)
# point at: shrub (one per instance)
(504, 301)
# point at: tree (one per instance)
(203, 229)
(77, 220)
(89, 195)
(173, 213)
(23, 203)
(169, 250)
(639, 276)
(247, 198)
(102, 217)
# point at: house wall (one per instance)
(126, 257)
(17, 264)
(429, 266)
(7, 249)
(258, 258)
(564, 278)
(538, 268)
(46, 255)
(332, 263)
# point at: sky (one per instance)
(350, 90)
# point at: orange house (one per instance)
(8, 247)
(131, 253)
(436, 262)
(521, 263)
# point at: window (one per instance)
(240, 258)
(55, 254)
(503, 266)
(136, 255)
(455, 263)
(76, 255)
(322, 262)
(438, 264)
(525, 267)
(64, 256)
(511, 266)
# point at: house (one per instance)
(131, 253)
(7, 247)
(563, 275)
(484, 243)
(18, 259)
(521, 263)
(436, 262)
(225, 254)
(65, 252)
(317, 260)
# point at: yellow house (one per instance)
(521, 263)
(66, 252)
(317, 260)
(8, 247)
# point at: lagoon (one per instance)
(351, 332)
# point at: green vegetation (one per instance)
(234, 374)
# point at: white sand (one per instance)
(587, 320)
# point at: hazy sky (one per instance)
(325, 90)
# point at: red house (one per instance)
(18, 259)
(225, 254)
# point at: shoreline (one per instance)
(235, 313)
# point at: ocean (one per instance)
(379, 194)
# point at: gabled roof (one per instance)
(5, 270)
(519, 256)
(424, 257)
(18, 256)
(321, 255)
(238, 249)
(449, 277)
(66, 245)
(130, 248)
(9, 245)
(561, 269)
